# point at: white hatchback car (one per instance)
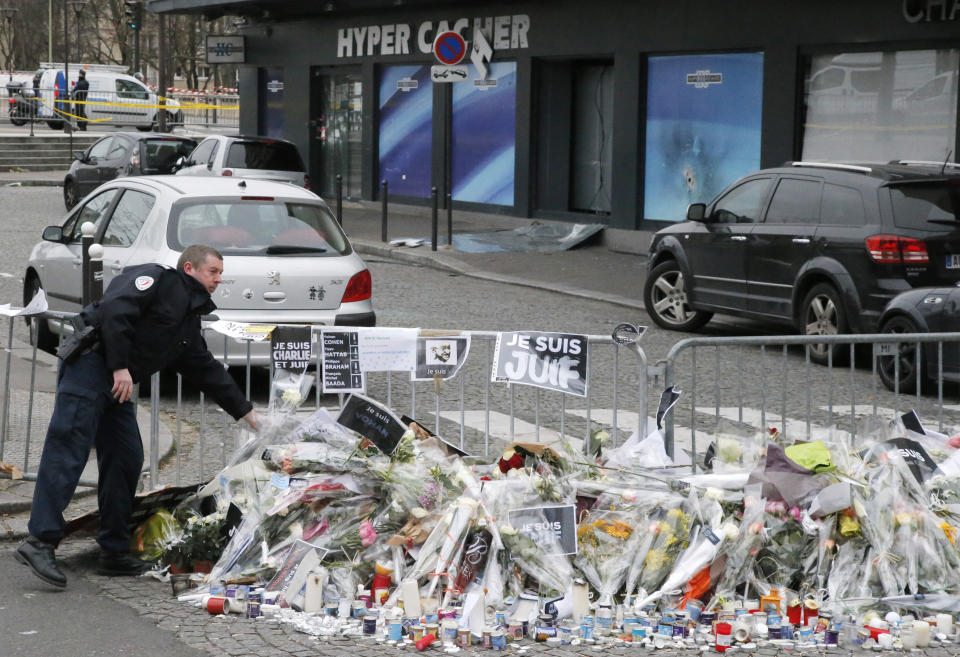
(286, 260)
(264, 158)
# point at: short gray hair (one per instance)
(196, 255)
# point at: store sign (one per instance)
(927, 11)
(503, 33)
(225, 49)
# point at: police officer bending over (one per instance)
(148, 320)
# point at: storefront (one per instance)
(619, 112)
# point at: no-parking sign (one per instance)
(449, 48)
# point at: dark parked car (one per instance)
(823, 247)
(923, 310)
(122, 154)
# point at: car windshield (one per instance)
(245, 227)
(270, 155)
(926, 206)
(160, 155)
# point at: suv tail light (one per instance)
(227, 172)
(134, 160)
(306, 181)
(359, 288)
(893, 249)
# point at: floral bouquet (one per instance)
(607, 542)
(202, 540)
(670, 530)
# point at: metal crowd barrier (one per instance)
(759, 381)
(24, 104)
(469, 409)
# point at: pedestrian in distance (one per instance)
(80, 94)
(148, 320)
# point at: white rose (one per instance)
(714, 494)
(418, 512)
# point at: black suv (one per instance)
(820, 246)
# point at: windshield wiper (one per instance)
(293, 248)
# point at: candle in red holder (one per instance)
(380, 582)
(795, 612)
(723, 637)
(218, 605)
(423, 643)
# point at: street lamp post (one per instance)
(77, 6)
(8, 13)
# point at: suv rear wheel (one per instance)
(665, 298)
(823, 314)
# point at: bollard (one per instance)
(383, 216)
(433, 222)
(450, 219)
(87, 230)
(96, 272)
(340, 199)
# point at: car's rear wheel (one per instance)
(665, 298)
(823, 314)
(55, 125)
(900, 372)
(70, 194)
(40, 333)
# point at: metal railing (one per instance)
(761, 382)
(469, 409)
(24, 104)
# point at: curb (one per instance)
(32, 183)
(452, 265)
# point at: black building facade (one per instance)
(619, 112)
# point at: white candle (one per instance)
(908, 638)
(313, 597)
(921, 630)
(944, 623)
(885, 641)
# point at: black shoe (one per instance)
(114, 564)
(39, 556)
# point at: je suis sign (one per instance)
(556, 361)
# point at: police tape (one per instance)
(180, 106)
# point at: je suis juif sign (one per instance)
(556, 361)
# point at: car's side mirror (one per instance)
(210, 164)
(697, 212)
(53, 234)
(79, 155)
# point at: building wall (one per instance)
(616, 42)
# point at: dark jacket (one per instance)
(80, 90)
(149, 320)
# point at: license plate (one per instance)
(953, 261)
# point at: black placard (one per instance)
(548, 525)
(374, 422)
(341, 362)
(557, 361)
(291, 347)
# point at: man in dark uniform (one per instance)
(148, 319)
(80, 94)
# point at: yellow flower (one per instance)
(950, 531)
(849, 526)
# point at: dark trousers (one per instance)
(80, 111)
(86, 415)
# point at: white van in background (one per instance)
(114, 98)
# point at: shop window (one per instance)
(702, 128)
(574, 135)
(271, 102)
(484, 132)
(880, 106)
(405, 129)
(591, 137)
